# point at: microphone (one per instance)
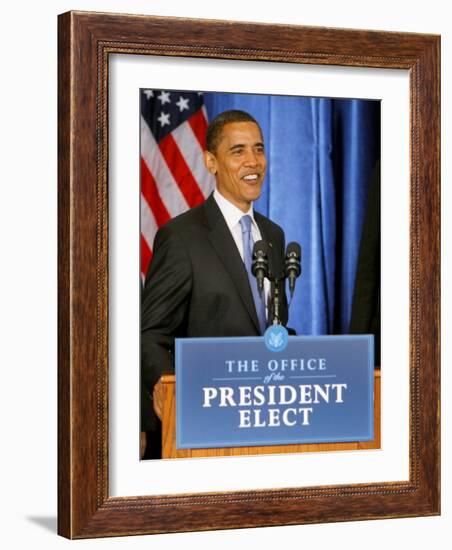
(259, 264)
(292, 264)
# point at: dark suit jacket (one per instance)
(365, 314)
(197, 286)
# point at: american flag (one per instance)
(173, 175)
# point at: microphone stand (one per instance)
(275, 302)
(277, 282)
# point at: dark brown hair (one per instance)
(215, 129)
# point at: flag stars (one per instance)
(164, 97)
(164, 119)
(148, 93)
(182, 104)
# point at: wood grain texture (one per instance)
(167, 395)
(85, 42)
(64, 294)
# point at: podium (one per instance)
(165, 395)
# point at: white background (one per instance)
(128, 476)
(28, 122)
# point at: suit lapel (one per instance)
(226, 249)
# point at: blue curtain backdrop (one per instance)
(320, 154)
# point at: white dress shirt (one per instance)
(232, 216)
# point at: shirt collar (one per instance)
(230, 212)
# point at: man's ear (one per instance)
(211, 162)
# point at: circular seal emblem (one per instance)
(276, 338)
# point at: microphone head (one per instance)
(293, 249)
(293, 260)
(260, 246)
(259, 265)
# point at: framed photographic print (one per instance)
(320, 96)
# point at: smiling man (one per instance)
(236, 156)
(199, 282)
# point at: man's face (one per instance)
(239, 163)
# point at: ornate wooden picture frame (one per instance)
(86, 40)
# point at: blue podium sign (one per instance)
(274, 390)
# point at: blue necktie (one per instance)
(245, 223)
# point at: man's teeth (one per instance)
(250, 177)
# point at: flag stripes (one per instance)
(180, 171)
(173, 175)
